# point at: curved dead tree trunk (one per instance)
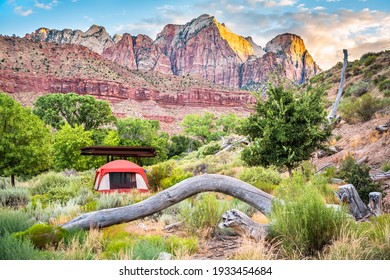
(189, 187)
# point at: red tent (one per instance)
(122, 176)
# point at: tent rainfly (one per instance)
(121, 176)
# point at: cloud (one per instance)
(332, 0)
(47, 6)
(88, 18)
(272, 3)
(20, 11)
(319, 8)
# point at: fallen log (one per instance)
(243, 225)
(189, 187)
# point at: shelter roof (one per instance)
(121, 151)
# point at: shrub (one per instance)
(12, 248)
(156, 173)
(55, 187)
(43, 235)
(180, 144)
(384, 85)
(357, 89)
(360, 109)
(358, 175)
(385, 166)
(265, 179)
(109, 200)
(209, 149)
(302, 225)
(202, 214)
(178, 175)
(148, 247)
(5, 182)
(13, 197)
(14, 221)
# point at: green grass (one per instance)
(302, 225)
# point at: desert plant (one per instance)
(13, 248)
(302, 225)
(257, 175)
(178, 175)
(81, 245)
(384, 85)
(156, 173)
(357, 89)
(358, 175)
(202, 214)
(14, 197)
(360, 109)
(369, 240)
(14, 221)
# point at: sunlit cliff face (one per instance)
(238, 43)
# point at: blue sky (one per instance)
(327, 26)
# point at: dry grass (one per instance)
(251, 250)
(89, 248)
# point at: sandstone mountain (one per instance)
(203, 48)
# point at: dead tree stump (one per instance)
(348, 194)
(243, 225)
(375, 203)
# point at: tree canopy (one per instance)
(139, 132)
(24, 140)
(286, 128)
(66, 149)
(56, 109)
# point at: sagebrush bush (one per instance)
(177, 175)
(384, 85)
(14, 221)
(156, 173)
(360, 109)
(357, 89)
(265, 179)
(202, 213)
(5, 182)
(14, 197)
(302, 225)
(13, 248)
(209, 149)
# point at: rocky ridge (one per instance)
(202, 47)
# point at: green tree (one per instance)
(286, 128)
(201, 127)
(138, 132)
(25, 142)
(67, 145)
(56, 109)
(229, 123)
(180, 144)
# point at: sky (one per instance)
(326, 26)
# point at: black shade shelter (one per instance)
(119, 151)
